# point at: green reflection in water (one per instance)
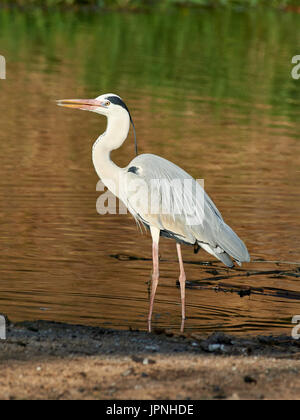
(219, 55)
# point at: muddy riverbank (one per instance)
(45, 360)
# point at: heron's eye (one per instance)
(107, 103)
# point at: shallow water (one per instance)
(211, 91)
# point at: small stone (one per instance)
(137, 359)
(152, 348)
(219, 338)
(249, 380)
(147, 361)
(127, 372)
(216, 347)
(234, 396)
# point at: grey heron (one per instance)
(185, 219)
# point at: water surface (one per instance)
(211, 91)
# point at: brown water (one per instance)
(210, 91)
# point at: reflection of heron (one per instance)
(186, 220)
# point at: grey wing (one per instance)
(180, 208)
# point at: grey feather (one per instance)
(207, 227)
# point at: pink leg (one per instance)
(182, 279)
(155, 277)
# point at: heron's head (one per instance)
(107, 104)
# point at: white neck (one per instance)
(116, 133)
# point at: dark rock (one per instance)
(249, 379)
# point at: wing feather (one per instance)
(190, 214)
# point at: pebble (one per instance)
(215, 347)
(234, 396)
(249, 380)
(152, 348)
(147, 361)
(127, 372)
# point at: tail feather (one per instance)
(225, 258)
(232, 244)
(218, 253)
(229, 245)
